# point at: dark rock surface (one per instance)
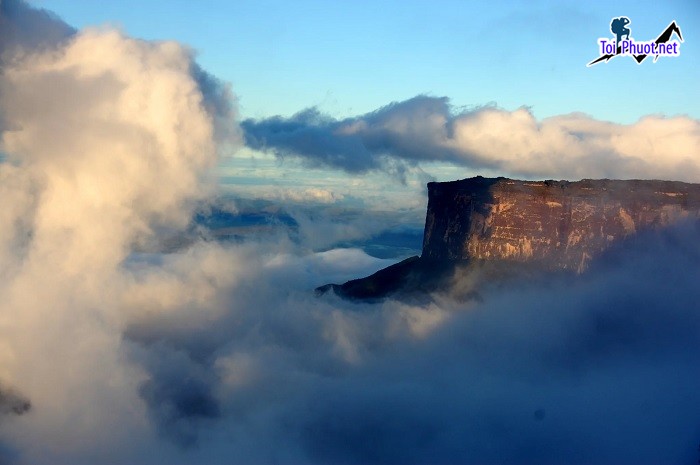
(509, 227)
(562, 225)
(414, 273)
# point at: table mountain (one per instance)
(506, 226)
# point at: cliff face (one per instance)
(485, 231)
(560, 224)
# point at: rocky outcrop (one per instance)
(485, 231)
(558, 224)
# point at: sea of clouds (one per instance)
(221, 353)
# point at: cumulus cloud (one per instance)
(425, 129)
(108, 141)
(23, 28)
(572, 372)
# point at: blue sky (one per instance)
(350, 58)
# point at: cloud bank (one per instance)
(424, 129)
(23, 28)
(547, 373)
(219, 353)
(108, 141)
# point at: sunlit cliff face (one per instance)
(558, 225)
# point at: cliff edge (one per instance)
(508, 227)
(559, 224)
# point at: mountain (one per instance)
(560, 224)
(507, 227)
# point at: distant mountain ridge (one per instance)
(513, 225)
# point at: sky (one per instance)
(350, 58)
(132, 331)
(347, 61)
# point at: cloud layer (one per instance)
(23, 28)
(425, 129)
(108, 142)
(553, 372)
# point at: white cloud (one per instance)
(514, 143)
(108, 139)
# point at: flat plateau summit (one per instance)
(559, 223)
(544, 225)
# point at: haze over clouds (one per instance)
(220, 353)
(426, 128)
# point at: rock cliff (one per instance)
(559, 224)
(489, 229)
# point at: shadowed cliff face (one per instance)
(559, 224)
(482, 232)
